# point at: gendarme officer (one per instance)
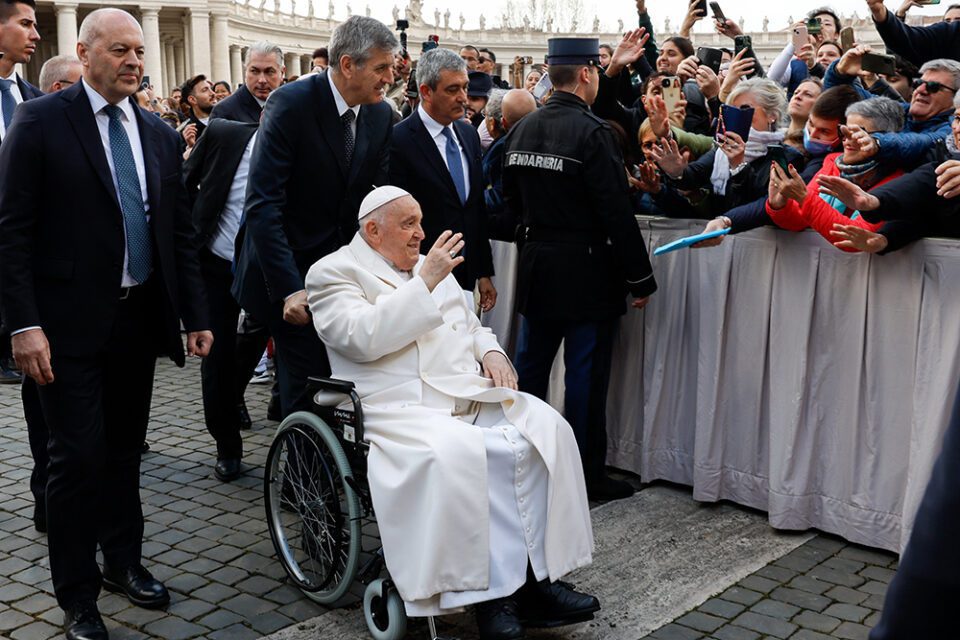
(582, 251)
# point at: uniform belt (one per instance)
(564, 236)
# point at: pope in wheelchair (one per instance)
(478, 488)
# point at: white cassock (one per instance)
(469, 481)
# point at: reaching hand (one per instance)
(649, 181)
(850, 63)
(807, 54)
(31, 351)
(708, 82)
(877, 10)
(852, 196)
(296, 310)
(657, 113)
(199, 343)
(694, 15)
(668, 157)
(867, 143)
(497, 367)
(775, 198)
(792, 185)
(488, 294)
(679, 113)
(189, 134)
(948, 179)
(734, 148)
(629, 50)
(728, 28)
(848, 236)
(687, 69)
(740, 67)
(716, 224)
(442, 258)
(906, 6)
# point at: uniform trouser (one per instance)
(299, 354)
(587, 348)
(97, 410)
(922, 599)
(39, 436)
(218, 371)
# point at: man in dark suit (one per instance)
(263, 72)
(198, 94)
(323, 144)
(216, 179)
(93, 216)
(435, 156)
(18, 41)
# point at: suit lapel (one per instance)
(250, 103)
(430, 151)
(329, 121)
(149, 141)
(81, 117)
(362, 142)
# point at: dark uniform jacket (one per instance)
(563, 176)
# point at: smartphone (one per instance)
(940, 152)
(814, 26)
(778, 153)
(928, 1)
(543, 87)
(702, 7)
(528, 60)
(710, 58)
(878, 63)
(672, 92)
(717, 13)
(800, 37)
(847, 38)
(743, 42)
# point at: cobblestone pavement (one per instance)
(208, 542)
(823, 589)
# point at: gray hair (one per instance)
(956, 100)
(885, 114)
(359, 37)
(943, 64)
(55, 69)
(494, 108)
(264, 47)
(769, 95)
(435, 61)
(91, 29)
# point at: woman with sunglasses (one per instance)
(796, 206)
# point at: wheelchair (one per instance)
(320, 514)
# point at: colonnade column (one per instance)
(153, 52)
(236, 66)
(292, 62)
(220, 48)
(199, 42)
(179, 62)
(66, 28)
(169, 66)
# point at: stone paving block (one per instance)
(302, 609)
(816, 621)
(809, 584)
(741, 595)
(837, 577)
(775, 609)
(874, 587)
(701, 621)
(190, 608)
(676, 632)
(733, 632)
(872, 620)
(846, 595)
(186, 582)
(802, 599)
(38, 630)
(31, 552)
(849, 612)
(219, 619)
(873, 602)
(138, 616)
(851, 631)
(878, 573)
(765, 624)
(807, 634)
(228, 575)
(173, 628)
(36, 603)
(759, 584)
(222, 553)
(248, 605)
(11, 619)
(174, 557)
(236, 632)
(845, 565)
(13, 591)
(259, 585)
(777, 574)
(269, 622)
(287, 594)
(826, 542)
(867, 556)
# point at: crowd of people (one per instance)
(264, 214)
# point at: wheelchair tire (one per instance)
(391, 624)
(312, 512)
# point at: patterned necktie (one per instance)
(139, 248)
(7, 102)
(455, 165)
(348, 142)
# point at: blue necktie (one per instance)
(455, 165)
(7, 102)
(139, 247)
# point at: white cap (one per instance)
(379, 197)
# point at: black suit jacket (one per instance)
(27, 90)
(61, 227)
(213, 163)
(239, 105)
(302, 198)
(417, 167)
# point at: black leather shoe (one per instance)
(40, 518)
(553, 604)
(499, 620)
(273, 410)
(245, 421)
(9, 374)
(606, 488)
(227, 469)
(82, 621)
(141, 588)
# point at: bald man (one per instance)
(89, 153)
(503, 112)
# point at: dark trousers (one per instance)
(251, 342)
(299, 354)
(97, 410)
(922, 599)
(39, 437)
(218, 371)
(587, 348)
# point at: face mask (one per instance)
(815, 147)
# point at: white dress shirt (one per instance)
(15, 92)
(224, 240)
(129, 120)
(435, 129)
(342, 105)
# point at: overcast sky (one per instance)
(752, 10)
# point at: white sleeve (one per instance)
(779, 71)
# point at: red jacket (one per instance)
(815, 212)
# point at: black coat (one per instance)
(302, 198)
(417, 167)
(240, 106)
(61, 227)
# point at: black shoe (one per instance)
(245, 421)
(145, 447)
(227, 469)
(553, 604)
(273, 410)
(82, 621)
(40, 518)
(499, 620)
(606, 488)
(141, 588)
(9, 374)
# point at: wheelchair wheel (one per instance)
(312, 513)
(386, 620)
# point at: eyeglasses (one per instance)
(483, 60)
(932, 86)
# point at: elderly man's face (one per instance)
(113, 63)
(398, 238)
(264, 73)
(927, 103)
(368, 82)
